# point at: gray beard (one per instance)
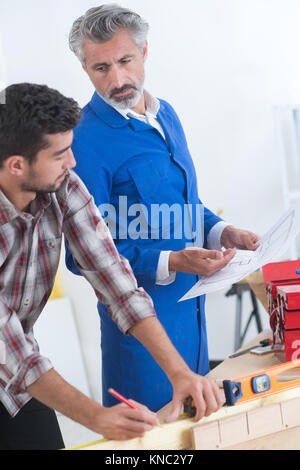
(125, 102)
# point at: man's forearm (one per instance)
(152, 335)
(118, 422)
(52, 390)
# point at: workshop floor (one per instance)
(74, 434)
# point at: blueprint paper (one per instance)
(274, 243)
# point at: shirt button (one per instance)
(52, 244)
(26, 302)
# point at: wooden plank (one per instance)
(288, 439)
(264, 421)
(168, 436)
(178, 435)
(291, 412)
(233, 430)
(239, 430)
(206, 437)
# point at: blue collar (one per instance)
(112, 118)
(106, 112)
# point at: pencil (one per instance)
(122, 399)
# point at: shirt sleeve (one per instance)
(23, 364)
(163, 276)
(97, 258)
(214, 236)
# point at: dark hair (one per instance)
(28, 113)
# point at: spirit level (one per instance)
(261, 383)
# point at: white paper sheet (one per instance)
(274, 243)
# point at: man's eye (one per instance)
(101, 69)
(61, 156)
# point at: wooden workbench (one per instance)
(268, 423)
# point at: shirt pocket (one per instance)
(152, 185)
(48, 256)
(148, 181)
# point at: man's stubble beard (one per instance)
(32, 188)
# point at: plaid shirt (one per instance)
(30, 244)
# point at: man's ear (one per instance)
(15, 165)
(145, 50)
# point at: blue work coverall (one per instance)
(125, 162)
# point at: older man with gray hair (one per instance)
(132, 154)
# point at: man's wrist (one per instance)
(94, 420)
(173, 261)
(225, 233)
(178, 372)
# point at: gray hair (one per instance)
(100, 24)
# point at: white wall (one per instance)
(2, 67)
(223, 64)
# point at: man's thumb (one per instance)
(176, 410)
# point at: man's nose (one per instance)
(117, 77)
(70, 161)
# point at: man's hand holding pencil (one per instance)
(127, 420)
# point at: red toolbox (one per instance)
(292, 345)
(288, 300)
(277, 275)
(280, 274)
(271, 289)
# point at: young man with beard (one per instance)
(41, 199)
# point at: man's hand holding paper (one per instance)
(273, 244)
(200, 261)
(241, 239)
